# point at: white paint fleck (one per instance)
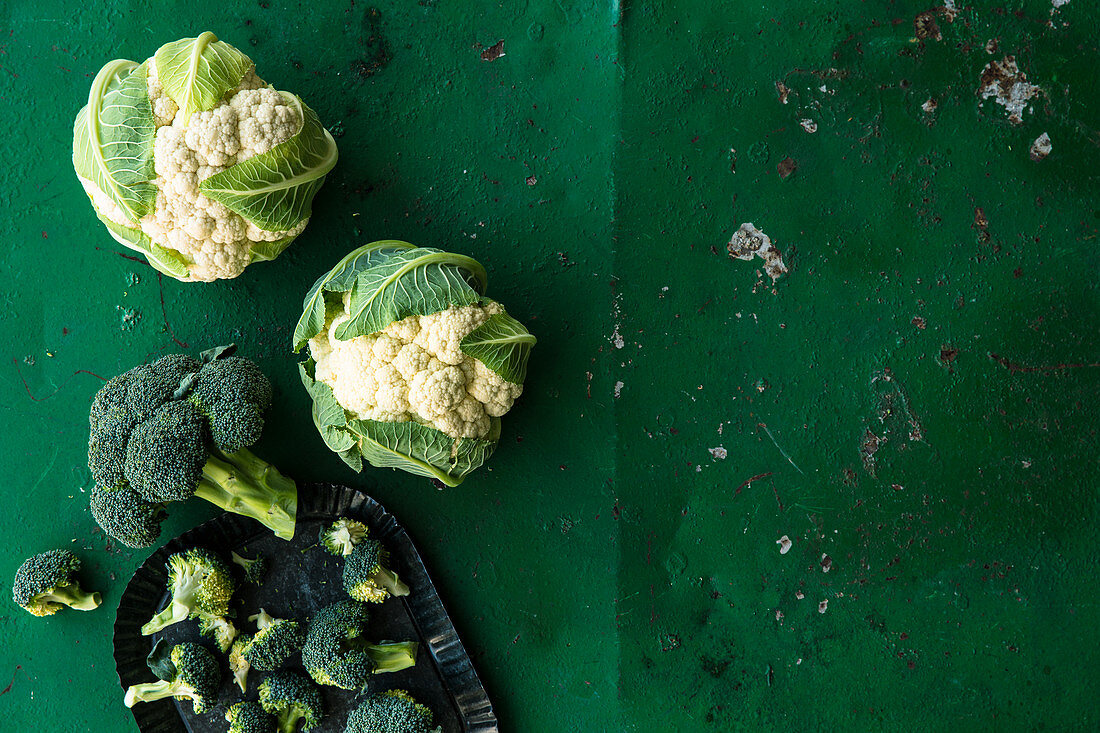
(1003, 82)
(799, 595)
(1059, 3)
(950, 10)
(719, 452)
(784, 543)
(1040, 148)
(823, 606)
(618, 389)
(616, 339)
(808, 125)
(826, 563)
(748, 242)
(930, 105)
(778, 615)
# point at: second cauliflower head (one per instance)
(411, 366)
(197, 163)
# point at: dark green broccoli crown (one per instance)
(201, 575)
(233, 394)
(254, 570)
(343, 535)
(291, 696)
(274, 644)
(332, 653)
(126, 516)
(361, 569)
(166, 453)
(42, 573)
(249, 717)
(124, 402)
(197, 669)
(392, 711)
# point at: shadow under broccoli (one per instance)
(181, 427)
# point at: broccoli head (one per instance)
(178, 428)
(366, 577)
(276, 640)
(200, 585)
(291, 697)
(249, 717)
(44, 583)
(342, 537)
(238, 665)
(221, 629)
(254, 570)
(337, 653)
(392, 711)
(188, 671)
(126, 516)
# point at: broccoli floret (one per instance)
(200, 585)
(220, 628)
(366, 577)
(233, 394)
(44, 583)
(126, 516)
(179, 428)
(392, 711)
(249, 717)
(254, 570)
(238, 665)
(336, 652)
(191, 672)
(276, 641)
(342, 537)
(292, 697)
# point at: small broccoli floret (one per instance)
(179, 428)
(254, 570)
(249, 717)
(200, 585)
(336, 652)
(366, 577)
(238, 665)
(292, 697)
(342, 537)
(275, 642)
(126, 516)
(220, 628)
(233, 393)
(191, 672)
(392, 711)
(44, 583)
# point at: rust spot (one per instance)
(925, 26)
(948, 354)
(919, 322)
(783, 92)
(867, 450)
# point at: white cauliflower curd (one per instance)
(414, 370)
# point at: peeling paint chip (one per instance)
(799, 595)
(784, 543)
(618, 389)
(930, 105)
(1007, 86)
(719, 452)
(1041, 147)
(783, 92)
(808, 125)
(494, 52)
(749, 242)
(826, 563)
(823, 606)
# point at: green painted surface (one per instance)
(607, 571)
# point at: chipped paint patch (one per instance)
(823, 606)
(784, 543)
(719, 452)
(1040, 148)
(808, 125)
(1003, 82)
(618, 389)
(749, 242)
(930, 105)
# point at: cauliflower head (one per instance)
(410, 366)
(196, 162)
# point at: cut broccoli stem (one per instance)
(150, 691)
(386, 578)
(393, 656)
(288, 718)
(244, 484)
(72, 596)
(174, 613)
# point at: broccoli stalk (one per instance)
(391, 656)
(72, 596)
(245, 484)
(47, 582)
(201, 586)
(187, 671)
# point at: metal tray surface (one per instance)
(302, 579)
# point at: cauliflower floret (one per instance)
(217, 243)
(415, 370)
